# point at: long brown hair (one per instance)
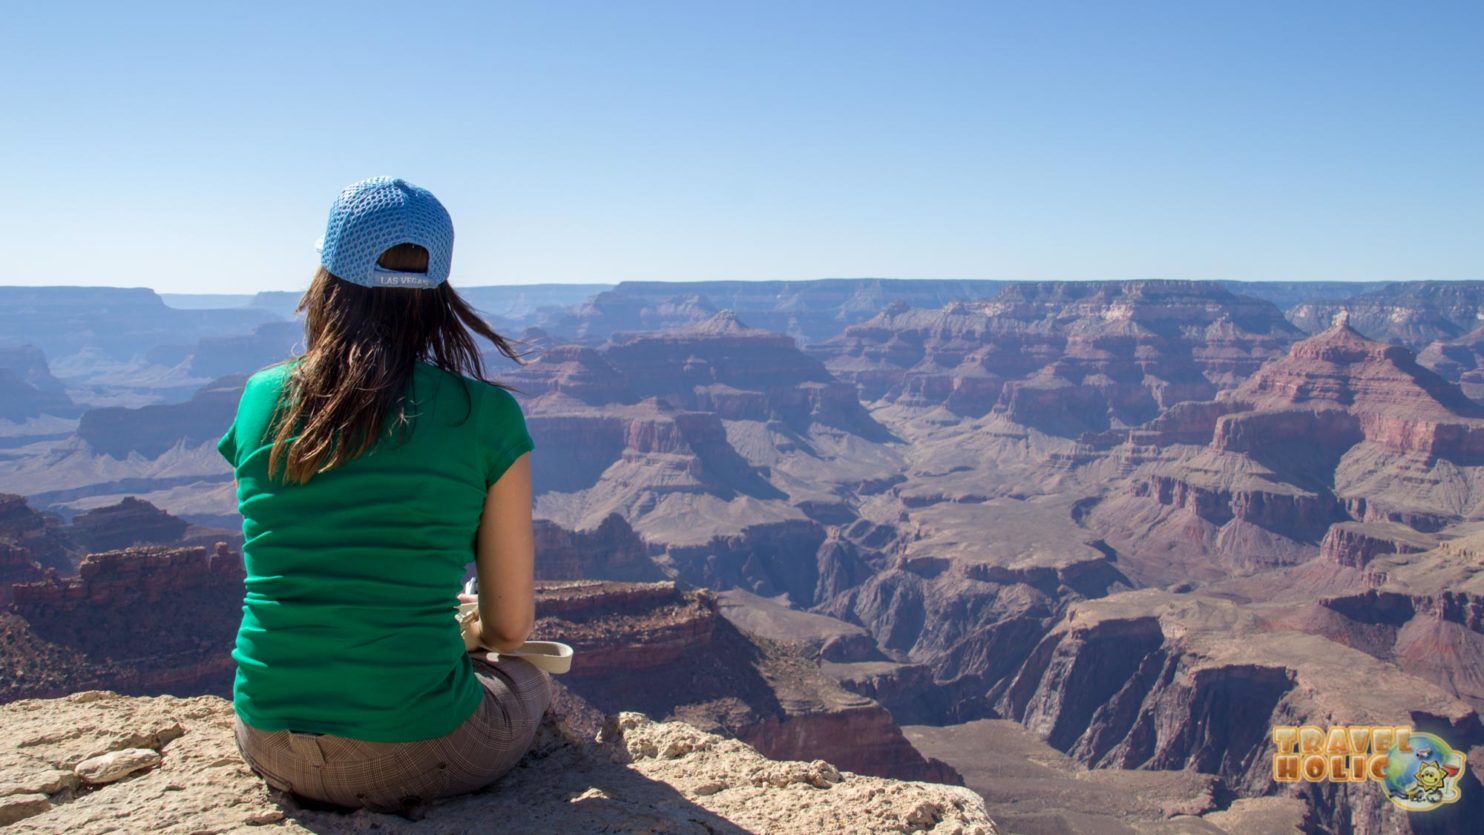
(362, 345)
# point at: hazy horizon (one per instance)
(610, 284)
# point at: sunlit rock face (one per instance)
(656, 648)
(1063, 357)
(1410, 313)
(638, 776)
(140, 620)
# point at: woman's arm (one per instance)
(505, 560)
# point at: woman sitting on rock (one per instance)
(370, 471)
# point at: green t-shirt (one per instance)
(348, 620)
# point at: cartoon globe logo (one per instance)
(1425, 776)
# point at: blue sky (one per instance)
(196, 147)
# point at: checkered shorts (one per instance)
(396, 776)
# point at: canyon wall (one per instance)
(140, 620)
(655, 648)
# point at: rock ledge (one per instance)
(639, 776)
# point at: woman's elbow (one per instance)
(507, 637)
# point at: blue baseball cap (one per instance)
(374, 215)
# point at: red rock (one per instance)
(1412, 313)
(41, 535)
(1354, 545)
(1062, 357)
(130, 522)
(611, 551)
(1339, 388)
(655, 648)
(154, 619)
(16, 566)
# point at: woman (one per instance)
(370, 471)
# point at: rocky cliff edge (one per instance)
(58, 759)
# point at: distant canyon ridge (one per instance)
(933, 529)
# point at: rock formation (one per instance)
(767, 559)
(1386, 396)
(1062, 357)
(652, 648)
(152, 430)
(40, 535)
(640, 776)
(16, 566)
(1413, 313)
(610, 551)
(215, 357)
(1342, 428)
(139, 620)
(808, 311)
(1459, 360)
(130, 522)
(27, 387)
(677, 431)
(95, 325)
(716, 365)
(55, 545)
(1151, 680)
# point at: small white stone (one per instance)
(116, 765)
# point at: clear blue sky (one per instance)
(196, 147)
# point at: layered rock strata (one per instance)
(654, 648)
(1065, 358)
(139, 620)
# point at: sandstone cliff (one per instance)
(152, 430)
(1459, 360)
(610, 551)
(16, 566)
(130, 522)
(1066, 357)
(106, 324)
(27, 388)
(139, 620)
(640, 777)
(161, 619)
(51, 543)
(1340, 429)
(653, 648)
(41, 535)
(1386, 397)
(1412, 313)
(1157, 681)
(808, 311)
(716, 364)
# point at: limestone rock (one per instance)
(16, 807)
(642, 776)
(116, 765)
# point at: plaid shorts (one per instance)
(396, 776)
